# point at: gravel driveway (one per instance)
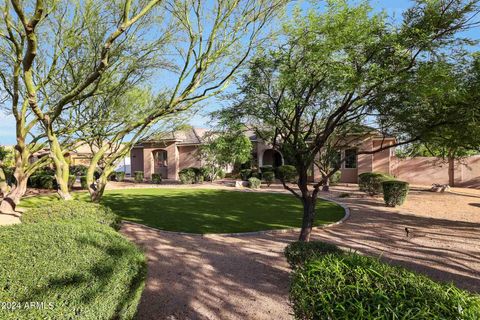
(246, 277)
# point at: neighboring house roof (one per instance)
(187, 136)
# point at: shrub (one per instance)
(299, 252)
(156, 178)
(395, 192)
(352, 286)
(138, 176)
(288, 173)
(335, 178)
(245, 174)
(254, 183)
(120, 176)
(73, 210)
(71, 181)
(9, 176)
(371, 182)
(221, 173)
(83, 182)
(266, 168)
(269, 177)
(187, 176)
(78, 170)
(344, 195)
(87, 271)
(42, 180)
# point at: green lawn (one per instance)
(207, 210)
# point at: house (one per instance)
(167, 154)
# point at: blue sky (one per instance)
(393, 7)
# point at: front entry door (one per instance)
(160, 164)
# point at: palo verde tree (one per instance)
(207, 43)
(58, 69)
(329, 75)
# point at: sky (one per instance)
(201, 119)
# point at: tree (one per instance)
(224, 149)
(327, 80)
(205, 55)
(447, 88)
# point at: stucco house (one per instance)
(170, 153)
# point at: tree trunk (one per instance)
(96, 190)
(62, 168)
(451, 171)
(308, 219)
(325, 184)
(12, 198)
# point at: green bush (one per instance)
(371, 182)
(299, 252)
(267, 168)
(83, 182)
(9, 176)
(335, 178)
(245, 174)
(71, 181)
(138, 176)
(73, 210)
(120, 176)
(395, 192)
(79, 270)
(78, 170)
(42, 180)
(221, 174)
(187, 176)
(156, 178)
(288, 173)
(254, 183)
(352, 286)
(269, 177)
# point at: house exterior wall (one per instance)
(188, 157)
(136, 156)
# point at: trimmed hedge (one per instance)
(156, 178)
(120, 176)
(335, 178)
(245, 174)
(352, 286)
(138, 176)
(42, 180)
(187, 175)
(299, 252)
(371, 182)
(269, 177)
(73, 210)
(288, 173)
(83, 182)
(254, 183)
(79, 270)
(395, 192)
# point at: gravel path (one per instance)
(246, 277)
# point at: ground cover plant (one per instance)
(207, 210)
(73, 268)
(351, 286)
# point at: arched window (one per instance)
(160, 158)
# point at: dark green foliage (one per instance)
(267, 168)
(371, 182)
(187, 175)
(73, 210)
(254, 183)
(9, 176)
(83, 182)
(71, 181)
(335, 178)
(78, 170)
(221, 174)
(269, 177)
(245, 174)
(87, 270)
(300, 252)
(120, 176)
(138, 176)
(351, 286)
(395, 192)
(288, 173)
(43, 179)
(156, 178)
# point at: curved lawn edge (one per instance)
(252, 233)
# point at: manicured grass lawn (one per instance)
(208, 210)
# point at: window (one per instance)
(351, 158)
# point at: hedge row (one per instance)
(349, 286)
(394, 191)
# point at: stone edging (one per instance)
(237, 234)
